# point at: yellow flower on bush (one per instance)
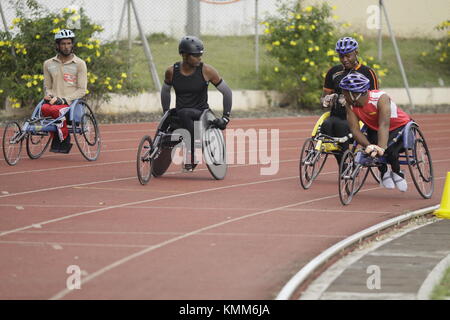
(276, 43)
(304, 78)
(16, 21)
(330, 52)
(276, 69)
(336, 59)
(38, 36)
(293, 43)
(307, 9)
(110, 87)
(56, 30)
(298, 16)
(119, 86)
(376, 66)
(310, 49)
(123, 75)
(88, 59)
(29, 84)
(1, 91)
(55, 21)
(97, 53)
(312, 64)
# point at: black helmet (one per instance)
(190, 44)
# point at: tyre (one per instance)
(420, 164)
(311, 162)
(346, 178)
(12, 143)
(144, 160)
(37, 144)
(87, 134)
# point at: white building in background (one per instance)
(409, 18)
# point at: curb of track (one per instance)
(308, 270)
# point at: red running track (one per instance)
(184, 235)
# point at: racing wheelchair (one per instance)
(315, 152)
(414, 153)
(35, 131)
(154, 156)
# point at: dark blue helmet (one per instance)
(190, 44)
(355, 82)
(346, 45)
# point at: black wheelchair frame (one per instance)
(154, 156)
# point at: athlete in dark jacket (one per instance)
(336, 125)
(190, 79)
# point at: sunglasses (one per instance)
(196, 55)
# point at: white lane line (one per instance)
(196, 208)
(6, 194)
(165, 233)
(117, 263)
(145, 201)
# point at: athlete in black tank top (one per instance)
(190, 79)
(191, 90)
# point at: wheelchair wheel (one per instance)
(12, 143)
(214, 152)
(347, 178)
(311, 162)
(37, 144)
(87, 135)
(420, 165)
(144, 161)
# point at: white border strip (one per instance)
(433, 279)
(292, 285)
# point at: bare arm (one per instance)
(353, 123)
(384, 119)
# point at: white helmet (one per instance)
(64, 34)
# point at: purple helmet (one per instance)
(355, 82)
(346, 45)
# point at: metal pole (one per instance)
(397, 54)
(147, 51)
(380, 29)
(193, 18)
(129, 38)
(256, 39)
(119, 31)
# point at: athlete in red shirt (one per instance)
(384, 120)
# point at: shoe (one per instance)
(400, 182)
(387, 181)
(56, 145)
(189, 167)
(65, 145)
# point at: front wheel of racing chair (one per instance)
(312, 161)
(12, 142)
(144, 160)
(37, 144)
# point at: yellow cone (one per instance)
(444, 210)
